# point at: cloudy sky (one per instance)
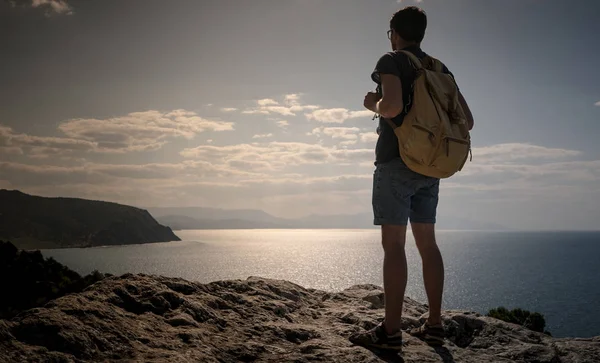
(258, 104)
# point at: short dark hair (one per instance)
(410, 23)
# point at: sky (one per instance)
(258, 104)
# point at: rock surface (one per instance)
(32, 222)
(141, 318)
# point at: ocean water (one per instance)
(554, 273)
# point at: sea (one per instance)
(554, 273)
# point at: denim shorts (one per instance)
(400, 194)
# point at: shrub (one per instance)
(28, 280)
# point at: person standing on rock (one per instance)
(401, 194)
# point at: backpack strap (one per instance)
(413, 59)
(425, 63)
(391, 123)
(436, 65)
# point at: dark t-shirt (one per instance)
(396, 63)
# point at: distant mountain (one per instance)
(202, 213)
(33, 222)
(361, 220)
(214, 218)
(177, 222)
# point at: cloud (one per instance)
(293, 102)
(597, 104)
(282, 123)
(525, 168)
(552, 171)
(347, 143)
(165, 184)
(189, 169)
(282, 110)
(336, 115)
(53, 6)
(238, 174)
(278, 155)
(510, 152)
(136, 131)
(345, 133)
(292, 99)
(255, 111)
(10, 150)
(140, 131)
(286, 174)
(298, 108)
(267, 102)
(23, 175)
(262, 136)
(291, 105)
(91, 173)
(228, 165)
(369, 137)
(334, 170)
(36, 146)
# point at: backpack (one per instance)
(434, 138)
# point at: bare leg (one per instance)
(433, 268)
(394, 274)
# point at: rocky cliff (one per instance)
(28, 280)
(33, 222)
(140, 318)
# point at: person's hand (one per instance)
(371, 100)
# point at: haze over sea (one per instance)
(554, 273)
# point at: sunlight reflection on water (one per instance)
(554, 273)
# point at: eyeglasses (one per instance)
(389, 34)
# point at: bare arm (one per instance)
(391, 102)
(465, 107)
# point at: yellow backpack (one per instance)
(434, 138)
